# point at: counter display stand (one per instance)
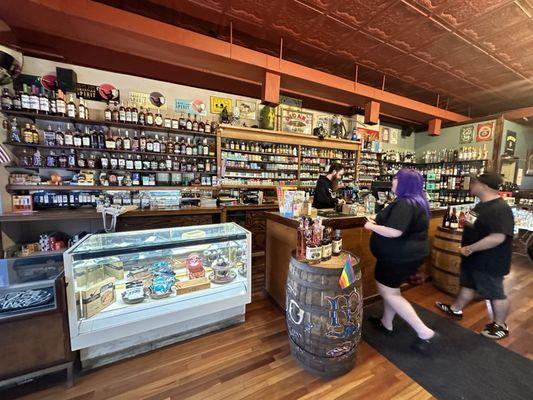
(135, 291)
(323, 320)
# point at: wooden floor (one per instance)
(252, 360)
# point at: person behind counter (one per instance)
(400, 244)
(326, 186)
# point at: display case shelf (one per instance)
(142, 171)
(121, 125)
(16, 188)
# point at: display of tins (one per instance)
(134, 292)
(222, 272)
(141, 273)
(161, 287)
(194, 267)
(97, 297)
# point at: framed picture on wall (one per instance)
(393, 139)
(529, 163)
(467, 134)
(296, 121)
(247, 109)
(384, 134)
(484, 132)
(324, 122)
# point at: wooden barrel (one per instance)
(446, 260)
(323, 320)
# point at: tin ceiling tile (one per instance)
(357, 12)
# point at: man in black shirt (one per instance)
(486, 254)
(326, 185)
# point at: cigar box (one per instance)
(97, 297)
(114, 268)
(192, 285)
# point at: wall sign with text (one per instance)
(296, 121)
(105, 92)
(195, 107)
(147, 100)
(218, 104)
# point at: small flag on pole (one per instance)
(347, 276)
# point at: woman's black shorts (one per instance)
(394, 274)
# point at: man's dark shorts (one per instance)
(489, 287)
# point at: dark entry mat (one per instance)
(461, 365)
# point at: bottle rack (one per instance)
(313, 161)
(368, 167)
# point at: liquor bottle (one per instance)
(17, 105)
(91, 161)
(201, 125)
(171, 147)
(142, 117)
(129, 162)
(81, 161)
(34, 100)
(158, 118)
(177, 146)
(115, 114)
(52, 103)
(156, 145)
(167, 123)
(135, 142)
(61, 106)
(301, 242)
(454, 222)
(69, 137)
(44, 103)
(149, 117)
(127, 142)
(72, 159)
(71, 108)
(7, 101)
(37, 159)
(138, 163)
(62, 160)
(51, 160)
(81, 109)
(326, 245)
(195, 148)
(77, 140)
(154, 165)
(206, 147)
(86, 138)
(175, 123)
(60, 137)
(110, 141)
(122, 112)
(183, 147)
(94, 139)
(142, 142)
(195, 124)
(182, 122)
(107, 113)
(119, 142)
(446, 218)
(25, 98)
(188, 148)
(462, 219)
(101, 139)
(113, 161)
(134, 115)
(188, 123)
(127, 114)
(162, 165)
(207, 127)
(168, 163)
(163, 146)
(337, 243)
(27, 134)
(104, 161)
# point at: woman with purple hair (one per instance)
(400, 244)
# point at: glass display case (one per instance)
(28, 284)
(125, 284)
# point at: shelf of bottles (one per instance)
(258, 164)
(368, 167)
(314, 162)
(446, 173)
(130, 147)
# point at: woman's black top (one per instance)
(413, 244)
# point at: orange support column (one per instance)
(371, 112)
(434, 127)
(270, 89)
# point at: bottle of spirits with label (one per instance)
(182, 122)
(17, 105)
(142, 117)
(115, 114)
(326, 245)
(60, 137)
(158, 118)
(170, 147)
(150, 145)
(454, 222)
(201, 125)
(77, 138)
(135, 142)
(167, 123)
(195, 126)
(188, 148)
(34, 100)
(337, 243)
(113, 161)
(149, 117)
(122, 112)
(37, 159)
(104, 161)
(121, 162)
(81, 109)
(61, 106)
(27, 134)
(127, 142)
(25, 98)
(36, 136)
(107, 113)
(72, 159)
(7, 101)
(206, 147)
(207, 127)
(82, 162)
(44, 103)
(138, 163)
(101, 139)
(62, 160)
(134, 115)
(156, 145)
(110, 141)
(129, 162)
(188, 124)
(142, 142)
(71, 108)
(127, 113)
(51, 160)
(175, 123)
(86, 138)
(119, 142)
(69, 137)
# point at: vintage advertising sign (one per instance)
(510, 143)
(485, 132)
(197, 107)
(296, 121)
(105, 92)
(147, 100)
(467, 134)
(290, 101)
(218, 103)
(247, 109)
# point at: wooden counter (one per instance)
(281, 239)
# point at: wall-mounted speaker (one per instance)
(407, 131)
(67, 80)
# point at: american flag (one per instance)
(5, 157)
